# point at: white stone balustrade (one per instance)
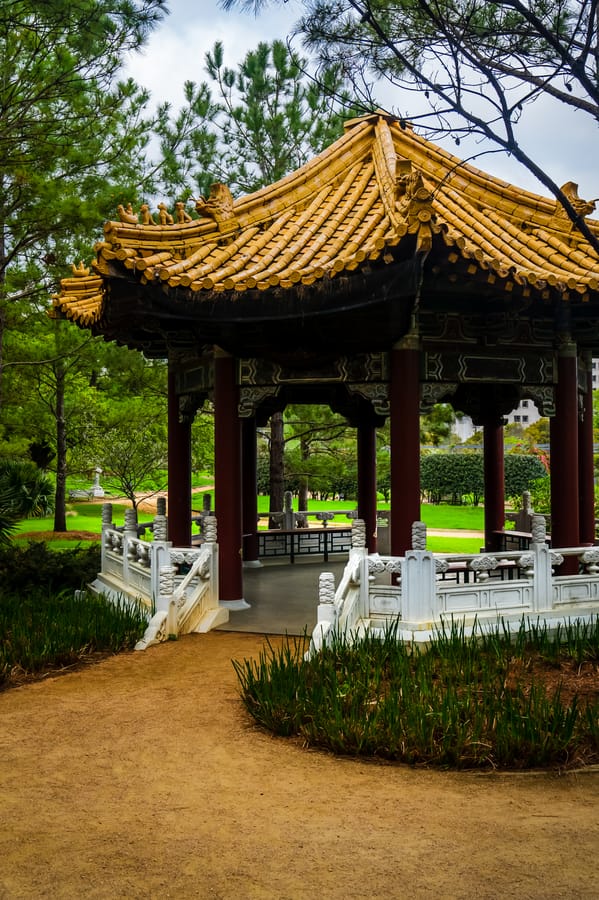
(179, 586)
(421, 590)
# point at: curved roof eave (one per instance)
(361, 200)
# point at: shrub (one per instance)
(459, 475)
(38, 566)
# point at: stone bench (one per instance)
(81, 495)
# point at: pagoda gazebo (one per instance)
(380, 278)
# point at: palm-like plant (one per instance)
(24, 491)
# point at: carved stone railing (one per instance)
(421, 590)
(178, 586)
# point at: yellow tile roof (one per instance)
(377, 185)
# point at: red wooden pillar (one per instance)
(404, 393)
(564, 457)
(366, 440)
(249, 459)
(586, 474)
(494, 475)
(227, 477)
(179, 470)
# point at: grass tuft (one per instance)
(464, 702)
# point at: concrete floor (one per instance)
(283, 597)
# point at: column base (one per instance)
(234, 604)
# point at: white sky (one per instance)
(563, 141)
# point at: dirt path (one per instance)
(142, 777)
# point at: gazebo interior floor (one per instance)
(283, 597)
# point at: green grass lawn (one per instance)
(82, 516)
(445, 516)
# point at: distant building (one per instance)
(525, 414)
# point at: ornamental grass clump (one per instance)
(489, 700)
(40, 632)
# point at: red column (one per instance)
(586, 474)
(494, 475)
(249, 457)
(179, 471)
(366, 439)
(564, 457)
(405, 442)
(227, 477)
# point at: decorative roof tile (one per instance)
(378, 186)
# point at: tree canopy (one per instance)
(478, 65)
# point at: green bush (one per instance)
(452, 476)
(522, 470)
(37, 566)
(455, 476)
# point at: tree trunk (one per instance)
(60, 519)
(277, 467)
(303, 489)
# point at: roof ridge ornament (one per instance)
(219, 206)
(128, 216)
(582, 207)
(80, 271)
(415, 203)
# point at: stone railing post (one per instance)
(419, 580)
(107, 516)
(538, 530)
(326, 598)
(418, 536)
(131, 522)
(106, 524)
(160, 547)
(288, 522)
(166, 601)
(358, 534)
(210, 537)
(542, 586)
(129, 532)
(160, 527)
(210, 530)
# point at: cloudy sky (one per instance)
(562, 141)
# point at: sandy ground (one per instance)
(143, 777)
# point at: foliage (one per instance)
(131, 449)
(249, 126)
(43, 631)
(453, 476)
(540, 495)
(463, 702)
(61, 175)
(521, 472)
(58, 78)
(24, 491)
(478, 65)
(38, 567)
(457, 475)
(435, 426)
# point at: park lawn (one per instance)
(449, 517)
(444, 515)
(87, 517)
(437, 543)
(81, 517)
